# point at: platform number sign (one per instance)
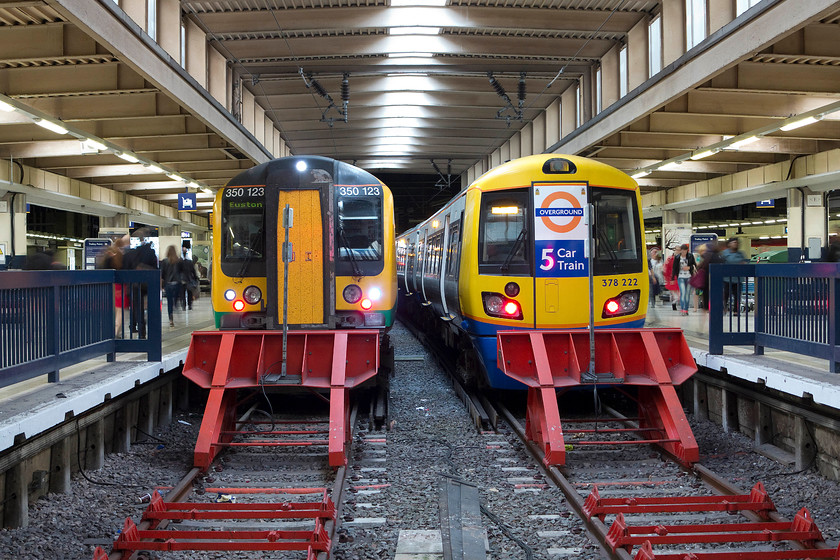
(560, 231)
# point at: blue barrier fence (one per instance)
(53, 319)
(790, 307)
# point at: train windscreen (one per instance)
(503, 233)
(359, 230)
(243, 231)
(618, 247)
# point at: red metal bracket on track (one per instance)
(224, 361)
(313, 541)
(655, 360)
(646, 552)
(803, 529)
(756, 501)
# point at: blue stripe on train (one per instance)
(483, 336)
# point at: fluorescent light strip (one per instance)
(153, 168)
(640, 174)
(414, 30)
(127, 157)
(51, 126)
(741, 143)
(798, 123)
(95, 144)
(703, 154)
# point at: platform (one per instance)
(33, 406)
(792, 374)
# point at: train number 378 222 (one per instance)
(617, 282)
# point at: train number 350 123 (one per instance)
(617, 282)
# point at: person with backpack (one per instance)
(141, 257)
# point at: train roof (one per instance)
(284, 172)
(521, 172)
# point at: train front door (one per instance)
(561, 269)
(306, 266)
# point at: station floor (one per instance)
(31, 407)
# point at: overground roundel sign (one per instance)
(548, 214)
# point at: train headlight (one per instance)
(230, 295)
(252, 294)
(375, 294)
(497, 305)
(511, 289)
(625, 303)
(352, 293)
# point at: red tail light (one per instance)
(238, 305)
(366, 303)
(512, 308)
(612, 306)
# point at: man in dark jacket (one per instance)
(141, 257)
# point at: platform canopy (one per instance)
(207, 88)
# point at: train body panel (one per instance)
(517, 259)
(342, 264)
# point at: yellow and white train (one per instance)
(510, 252)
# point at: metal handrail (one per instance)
(52, 319)
(795, 308)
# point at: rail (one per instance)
(53, 319)
(789, 307)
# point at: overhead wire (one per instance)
(560, 72)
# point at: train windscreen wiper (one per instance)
(255, 240)
(342, 238)
(513, 250)
(605, 242)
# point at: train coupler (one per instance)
(654, 360)
(226, 361)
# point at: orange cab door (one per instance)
(306, 269)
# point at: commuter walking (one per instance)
(170, 277)
(140, 258)
(189, 280)
(112, 258)
(657, 277)
(683, 268)
(732, 284)
(710, 256)
(670, 281)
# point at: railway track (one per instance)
(272, 492)
(637, 501)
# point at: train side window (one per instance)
(454, 249)
(618, 243)
(503, 233)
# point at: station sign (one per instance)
(700, 239)
(93, 247)
(187, 202)
(769, 203)
(560, 231)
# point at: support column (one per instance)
(165, 405)
(16, 499)
(676, 230)
(805, 225)
(12, 228)
(60, 468)
(763, 426)
(122, 430)
(701, 411)
(95, 445)
(806, 450)
(730, 411)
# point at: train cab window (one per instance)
(618, 245)
(360, 232)
(243, 232)
(503, 233)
